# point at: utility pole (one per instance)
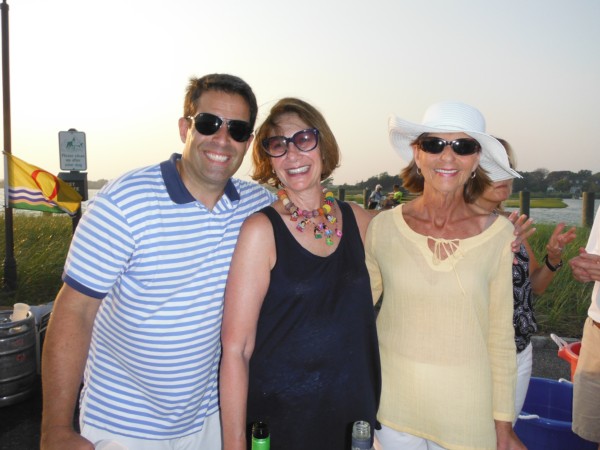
(10, 264)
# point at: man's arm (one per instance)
(65, 353)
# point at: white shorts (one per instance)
(390, 439)
(208, 438)
(524, 367)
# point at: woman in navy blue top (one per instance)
(299, 339)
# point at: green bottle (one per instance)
(261, 438)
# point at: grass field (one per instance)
(537, 203)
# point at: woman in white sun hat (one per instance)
(445, 328)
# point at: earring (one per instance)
(419, 171)
(473, 175)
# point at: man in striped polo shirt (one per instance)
(139, 315)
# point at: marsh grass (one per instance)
(562, 309)
(42, 241)
(537, 203)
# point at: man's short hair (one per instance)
(218, 82)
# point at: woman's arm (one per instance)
(501, 338)
(372, 263)
(502, 353)
(247, 284)
(541, 275)
(363, 218)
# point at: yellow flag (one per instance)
(30, 187)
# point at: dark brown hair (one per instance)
(223, 82)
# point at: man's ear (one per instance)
(184, 127)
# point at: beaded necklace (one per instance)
(306, 216)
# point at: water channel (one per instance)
(571, 215)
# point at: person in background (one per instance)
(144, 280)
(397, 195)
(299, 338)
(529, 276)
(586, 382)
(376, 197)
(445, 331)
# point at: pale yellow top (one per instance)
(446, 336)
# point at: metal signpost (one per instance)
(73, 158)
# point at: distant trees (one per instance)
(384, 179)
(541, 181)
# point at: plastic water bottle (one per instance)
(361, 435)
(261, 438)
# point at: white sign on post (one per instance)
(71, 145)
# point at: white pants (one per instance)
(390, 439)
(208, 438)
(524, 367)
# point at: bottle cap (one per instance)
(260, 430)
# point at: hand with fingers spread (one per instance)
(523, 228)
(557, 243)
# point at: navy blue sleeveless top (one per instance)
(315, 367)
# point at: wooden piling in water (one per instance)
(587, 209)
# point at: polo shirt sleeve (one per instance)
(101, 248)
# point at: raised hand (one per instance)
(523, 228)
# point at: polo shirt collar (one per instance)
(178, 192)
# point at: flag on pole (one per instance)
(30, 187)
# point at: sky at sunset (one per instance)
(117, 70)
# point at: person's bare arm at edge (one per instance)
(65, 352)
(247, 284)
(363, 218)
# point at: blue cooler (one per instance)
(545, 422)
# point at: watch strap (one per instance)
(550, 266)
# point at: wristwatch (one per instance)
(550, 266)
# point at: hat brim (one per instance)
(494, 159)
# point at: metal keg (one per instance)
(18, 359)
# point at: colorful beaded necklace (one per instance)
(327, 211)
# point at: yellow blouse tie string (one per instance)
(444, 249)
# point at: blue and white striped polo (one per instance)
(159, 260)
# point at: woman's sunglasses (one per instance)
(462, 147)
(304, 140)
(208, 124)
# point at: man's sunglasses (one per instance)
(208, 124)
(462, 147)
(304, 140)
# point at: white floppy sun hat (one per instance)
(453, 117)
